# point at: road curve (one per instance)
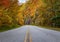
(36, 34)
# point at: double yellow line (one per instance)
(28, 37)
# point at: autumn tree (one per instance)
(8, 13)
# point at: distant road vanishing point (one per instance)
(30, 33)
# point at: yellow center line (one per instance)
(28, 37)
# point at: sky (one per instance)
(22, 1)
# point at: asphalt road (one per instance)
(30, 34)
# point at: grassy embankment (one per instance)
(5, 28)
(51, 28)
(48, 27)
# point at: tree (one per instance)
(8, 13)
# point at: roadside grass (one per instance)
(6, 28)
(51, 28)
(48, 27)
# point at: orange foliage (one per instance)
(32, 5)
(5, 3)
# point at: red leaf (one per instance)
(6, 3)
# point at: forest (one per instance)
(34, 12)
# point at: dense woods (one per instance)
(41, 12)
(8, 14)
(33, 12)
